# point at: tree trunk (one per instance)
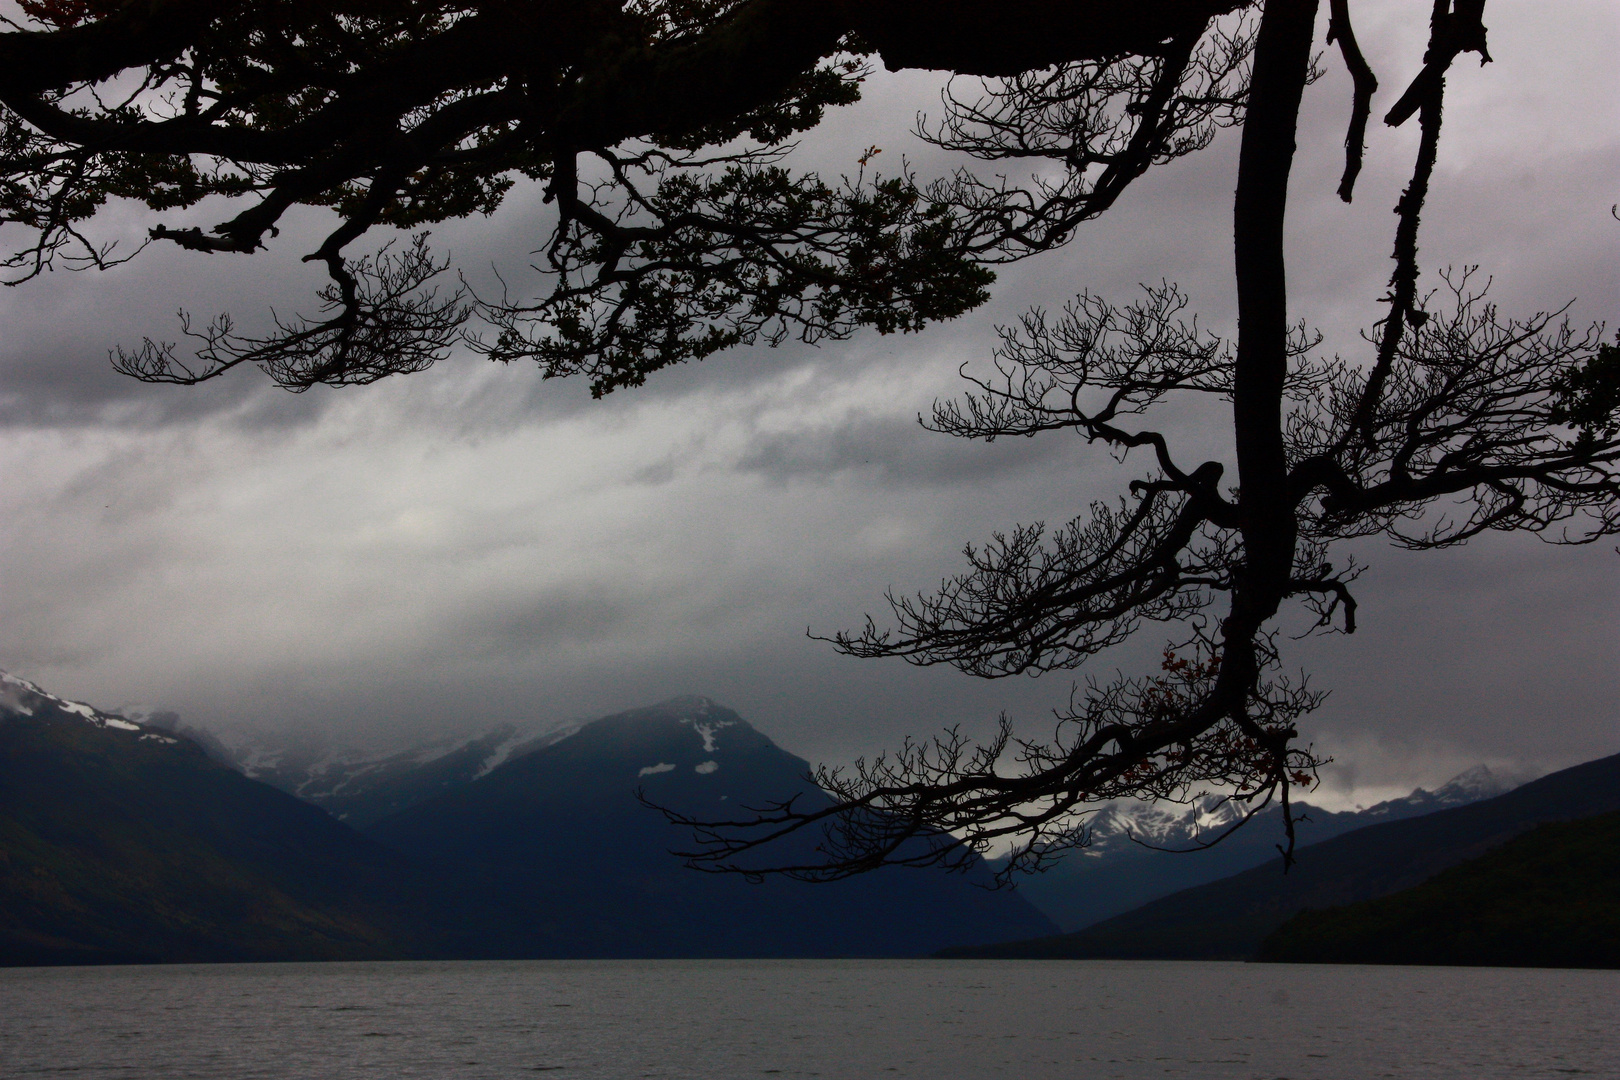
(1281, 66)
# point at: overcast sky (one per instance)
(473, 545)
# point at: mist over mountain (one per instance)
(362, 788)
(134, 838)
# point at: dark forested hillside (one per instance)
(123, 843)
(1550, 898)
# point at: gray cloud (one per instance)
(524, 625)
(891, 449)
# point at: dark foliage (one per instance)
(1457, 422)
(657, 128)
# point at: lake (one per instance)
(716, 1020)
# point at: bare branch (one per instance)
(945, 801)
(1516, 421)
(1366, 85)
(1030, 606)
(379, 321)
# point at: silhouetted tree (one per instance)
(660, 131)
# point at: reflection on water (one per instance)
(715, 1020)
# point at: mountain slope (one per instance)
(1228, 919)
(1142, 851)
(121, 843)
(561, 828)
(1550, 898)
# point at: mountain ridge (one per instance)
(1227, 919)
(124, 842)
(362, 787)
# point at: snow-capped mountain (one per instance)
(355, 786)
(1167, 825)
(1466, 787)
(1141, 851)
(1530, 909)
(701, 754)
(19, 697)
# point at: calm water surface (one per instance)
(715, 1020)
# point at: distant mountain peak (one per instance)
(360, 786)
(1163, 823)
(1474, 784)
(563, 828)
(1468, 786)
(689, 707)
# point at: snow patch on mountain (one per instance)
(1466, 787)
(695, 711)
(361, 785)
(23, 697)
(707, 732)
(313, 768)
(11, 697)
